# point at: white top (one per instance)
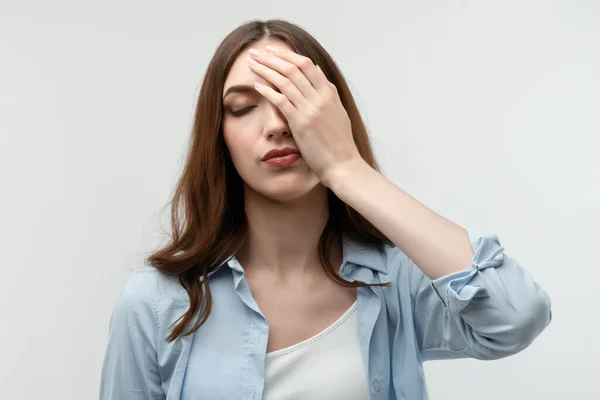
(327, 366)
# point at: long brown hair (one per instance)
(207, 210)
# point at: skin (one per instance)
(296, 106)
(286, 207)
(286, 210)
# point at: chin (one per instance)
(284, 190)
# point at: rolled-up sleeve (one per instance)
(130, 368)
(490, 310)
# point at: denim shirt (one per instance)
(491, 309)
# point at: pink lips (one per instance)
(281, 157)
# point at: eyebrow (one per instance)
(240, 89)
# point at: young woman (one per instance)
(296, 270)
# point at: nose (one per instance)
(275, 124)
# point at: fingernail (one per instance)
(272, 49)
(252, 62)
(254, 52)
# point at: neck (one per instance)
(283, 237)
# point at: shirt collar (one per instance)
(354, 252)
(362, 254)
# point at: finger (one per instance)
(281, 82)
(316, 78)
(332, 86)
(287, 69)
(279, 100)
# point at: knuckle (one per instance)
(280, 81)
(321, 103)
(280, 100)
(333, 96)
(305, 62)
(289, 69)
(287, 85)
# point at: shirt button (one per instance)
(377, 385)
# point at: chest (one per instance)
(312, 369)
(296, 312)
(227, 356)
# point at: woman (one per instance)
(300, 272)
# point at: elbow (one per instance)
(532, 319)
(519, 329)
(537, 315)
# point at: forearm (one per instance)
(435, 244)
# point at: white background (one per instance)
(487, 111)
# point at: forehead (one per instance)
(240, 72)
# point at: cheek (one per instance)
(240, 144)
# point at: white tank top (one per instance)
(327, 366)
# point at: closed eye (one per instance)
(243, 111)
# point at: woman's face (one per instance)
(252, 126)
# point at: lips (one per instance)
(279, 153)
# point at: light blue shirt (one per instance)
(491, 309)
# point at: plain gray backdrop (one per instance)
(486, 111)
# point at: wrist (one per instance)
(344, 173)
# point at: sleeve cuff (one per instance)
(455, 290)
